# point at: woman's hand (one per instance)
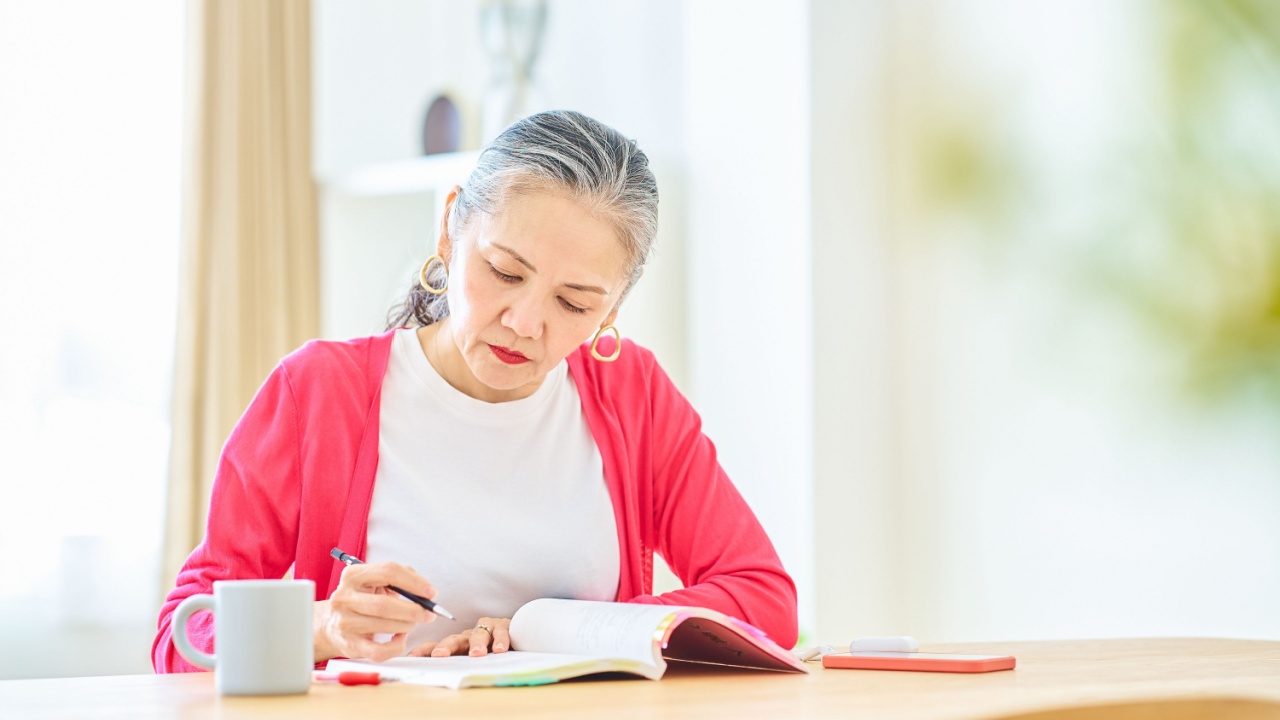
(362, 607)
(488, 633)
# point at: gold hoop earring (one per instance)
(422, 276)
(617, 347)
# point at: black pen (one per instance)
(346, 559)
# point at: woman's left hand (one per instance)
(488, 633)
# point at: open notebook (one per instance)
(555, 640)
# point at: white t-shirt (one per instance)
(495, 503)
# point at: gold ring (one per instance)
(486, 629)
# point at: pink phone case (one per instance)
(920, 662)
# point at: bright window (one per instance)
(90, 135)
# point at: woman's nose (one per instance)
(524, 318)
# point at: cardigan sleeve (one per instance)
(704, 528)
(253, 516)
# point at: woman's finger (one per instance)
(452, 645)
(502, 636)
(369, 576)
(369, 649)
(353, 624)
(481, 636)
(380, 605)
(424, 649)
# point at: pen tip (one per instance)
(441, 611)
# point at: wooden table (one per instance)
(1164, 678)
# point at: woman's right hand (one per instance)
(362, 607)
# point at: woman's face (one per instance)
(529, 285)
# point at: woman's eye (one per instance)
(512, 279)
(571, 307)
(503, 276)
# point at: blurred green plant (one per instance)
(1181, 226)
(1212, 196)
(958, 165)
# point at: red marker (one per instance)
(352, 678)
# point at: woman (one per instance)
(501, 438)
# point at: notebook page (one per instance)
(582, 627)
(454, 671)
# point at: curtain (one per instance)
(249, 258)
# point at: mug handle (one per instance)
(180, 639)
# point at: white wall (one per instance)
(747, 125)
(376, 67)
(857, 518)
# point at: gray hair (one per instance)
(559, 150)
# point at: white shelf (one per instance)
(426, 174)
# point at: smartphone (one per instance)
(919, 661)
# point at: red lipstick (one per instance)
(508, 356)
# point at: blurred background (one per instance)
(979, 299)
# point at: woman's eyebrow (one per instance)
(587, 288)
(573, 286)
(519, 258)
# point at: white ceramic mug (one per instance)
(262, 635)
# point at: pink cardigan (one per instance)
(296, 477)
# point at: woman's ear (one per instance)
(444, 242)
